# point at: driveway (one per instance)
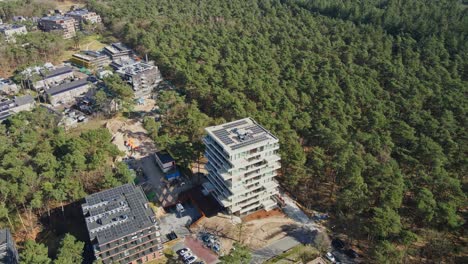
(166, 195)
(274, 249)
(302, 235)
(174, 221)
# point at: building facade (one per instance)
(16, 105)
(117, 51)
(8, 252)
(84, 16)
(121, 225)
(90, 59)
(242, 163)
(9, 31)
(65, 25)
(143, 77)
(8, 87)
(67, 92)
(43, 78)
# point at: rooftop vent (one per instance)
(242, 134)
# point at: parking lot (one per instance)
(172, 220)
(197, 249)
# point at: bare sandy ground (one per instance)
(255, 233)
(132, 130)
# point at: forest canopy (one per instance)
(368, 98)
(42, 167)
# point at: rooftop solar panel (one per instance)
(250, 141)
(239, 123)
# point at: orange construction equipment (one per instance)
(131, 143)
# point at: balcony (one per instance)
(270, 185)
(269, 204)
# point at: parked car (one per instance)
(330, 257)
(180, 208)
(338, 243)
(190, 260)
(183, 251)
(351, 253)
(187, 255)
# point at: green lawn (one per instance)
(296, 254)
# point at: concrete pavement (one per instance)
(274, 249)
(166, 195)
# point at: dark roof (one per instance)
(25, 99)
(56, 18)
(65, 87)
(18, 101)
(164, 157)
(58, 71)
(117, 212)
(8, 252)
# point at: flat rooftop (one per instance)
(5, 27)
(117, 212)
(117, 48)
(79, 12)
(164, 157)
(135, 68)
(56, 18)
(18, 101)
(239, 134)
(89, 55)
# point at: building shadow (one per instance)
(59, 223)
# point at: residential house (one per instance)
(58, 23)
(16, 105)
(67, 92)
(8, 87)
(9, 31)
(84, 16)
(118, 50)
(42, 78)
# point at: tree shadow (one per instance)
(302, 234)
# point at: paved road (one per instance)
(294, 212)
(173, 221)
(166, 195)
(274, 249)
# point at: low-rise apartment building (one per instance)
(143, 77)
(8, 252)
(42, 78)
(67, 92)
(64, 25)
(121, 225)
(16, 105)
(117, 51)
(90, 59)
(9, 31)
(84, 16)
(242, 163)
(8, 87)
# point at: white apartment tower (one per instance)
(242, 163)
